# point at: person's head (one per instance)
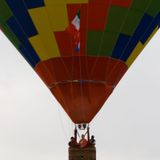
(72, 138)
(92, 137)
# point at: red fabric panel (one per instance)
(83, 28)
(81, 68)
(98, 12)
(122, 3)
(97, 16)
(72, 10)
(64, 42)
(93, 16)
(77, 84)
(81, 101)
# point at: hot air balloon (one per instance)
(80, 48)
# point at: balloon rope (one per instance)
(86, 59)
(80, 75)
(30, 43)
(101, 42)
(47, 70)
(135, 29)
(62, 124)
(123, 52)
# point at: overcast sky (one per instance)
(34, 127)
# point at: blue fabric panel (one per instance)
(27, 56)
(21, 13)
(120, 45)
(151, 28)
(17, 30)
(141, 29)
(34, 3)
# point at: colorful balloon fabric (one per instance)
(80, 48)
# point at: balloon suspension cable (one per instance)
(82, 137)
(82, 145)
(81, 127)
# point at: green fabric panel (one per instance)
(5, 10)
(154, 8)
(3, 19)
(10, 35)
(140, 5)
(93, 42)
(101, 43)
(108, 43)
(132, 21)
(116, 18)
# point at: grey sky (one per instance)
(34, 127)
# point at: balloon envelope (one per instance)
(80, 48)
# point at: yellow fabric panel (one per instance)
(139, 49)
(57, 15)
(57, 12)
(54, 2)
(77, 1)
(135, 54)
(46, 36)
(37, 44)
